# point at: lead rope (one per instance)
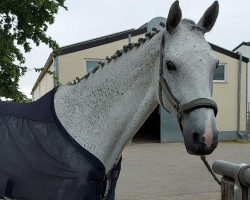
(203, 158)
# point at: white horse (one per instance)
(104, 111)
(173, 67)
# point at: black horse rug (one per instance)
(39, 160)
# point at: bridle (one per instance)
(183, 108)
(178, 107)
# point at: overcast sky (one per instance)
(85, 20)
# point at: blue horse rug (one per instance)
(39, 160)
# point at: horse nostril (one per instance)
(195, 137)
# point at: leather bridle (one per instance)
(176, 104)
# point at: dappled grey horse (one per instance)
(68, 144)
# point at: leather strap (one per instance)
(161, 76)
(199, 103)
(165, 88)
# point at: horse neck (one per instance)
(105, 111)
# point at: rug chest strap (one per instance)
(8, 189)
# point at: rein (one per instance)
(178, 107)
(204, 160)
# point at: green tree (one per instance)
(22, 22)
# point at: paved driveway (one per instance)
(166, 171)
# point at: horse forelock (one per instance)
(193, 24)
(189, 21)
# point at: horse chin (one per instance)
(197, 145)
(199, 150)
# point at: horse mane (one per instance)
(118, 54)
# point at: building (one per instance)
(229, 88)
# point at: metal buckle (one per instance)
(179, 111)
(180, 116)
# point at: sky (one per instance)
(86, 20)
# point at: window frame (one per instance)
(225, 74)
(89, 60)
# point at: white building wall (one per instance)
(225, 95)
(45, 85)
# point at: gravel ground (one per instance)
(166, 171)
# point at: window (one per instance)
(220, 73)
(90, 64)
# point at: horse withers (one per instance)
(68, 144)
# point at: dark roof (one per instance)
(227, 52)
(243, 43)
(101, 40)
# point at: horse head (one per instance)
(186, 78)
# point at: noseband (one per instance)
(178, 107)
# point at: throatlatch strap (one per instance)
(8, 189)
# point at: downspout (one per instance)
(246, 98)
(129, 38)
(56, 68)
(239, 96)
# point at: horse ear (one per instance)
(208, 19)
(174, 17)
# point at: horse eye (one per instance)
(170, 66)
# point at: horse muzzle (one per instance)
(200, 132)
(198, 145)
